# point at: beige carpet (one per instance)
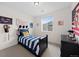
(19, 51)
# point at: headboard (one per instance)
(23, 26)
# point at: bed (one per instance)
(35, 44)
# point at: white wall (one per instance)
(55, 36)
(15, 15)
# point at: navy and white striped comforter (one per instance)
(31, 42)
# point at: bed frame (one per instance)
(43, 44)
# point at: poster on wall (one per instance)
(5, 20)
(60, 22)
(75, 20)
(31, 25)
(75, 16)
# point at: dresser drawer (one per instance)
(69, 49)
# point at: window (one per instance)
(47, 24)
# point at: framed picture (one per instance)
(31, 25)
(5, 20)
(75, 20)
(60, 23)
(75, 16)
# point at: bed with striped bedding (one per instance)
(35, 44)
(31, 42)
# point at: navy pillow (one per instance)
(23, 30)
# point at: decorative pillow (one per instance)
(23, 30)
(26, 33)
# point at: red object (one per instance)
(76, 33)
(75, 29)
(75, 22)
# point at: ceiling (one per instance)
(42, 8)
